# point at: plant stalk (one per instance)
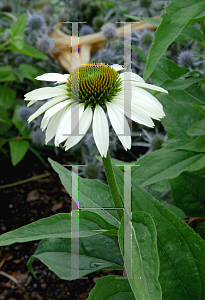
(112, 183)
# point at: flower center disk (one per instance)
(93, 84)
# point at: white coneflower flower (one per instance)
(96, 88)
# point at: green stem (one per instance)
(112, 183)
(2, 46)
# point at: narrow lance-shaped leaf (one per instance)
(57, 226)
(177, 16)
(143, 272)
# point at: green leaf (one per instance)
(176, 122)
(181, 251)
(111, 287)
(4, 117)
(6, 74)
(7, 97)
(198, 145)
(166, 69)
(29, 72)
(166, 163)
(7, 14)
(18, 150)
(183, 82)
(19, 125)
(95, 253)
(18, 43)
(179, 117)
(192, 32)
(29, 51)
(57, 226)
(178, 212)
(200, 107)
(197, 128)
(188, 191)
(92, 194)
(201, 55)
(142, 55)
(152, 21)
(161, 186)
(177, 17)
(201, 230)
(18, 27)
(4, 127)
(145, 260)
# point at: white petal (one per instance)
(101, 130)
(76, 114)
(45, 93)
(53, 125)
(141, 93)
(148, 86)
(52, 111)
(152, 99)
(31, 102)
(46, 106)
(117, 67)
(120, 124)
(130, 75)
(53, 77)
(141, 103)
(84, 125)
(138, 117)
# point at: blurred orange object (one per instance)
(87, 44)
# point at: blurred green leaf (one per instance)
(184, 81)
(18, 43)
(188, 190)
(198, 145)
(201, 230)
(168, 75)
(200, 107)
(18, 150)
(29, 51)
(152, 21)
(177, 17)
(19, 26)
(142, 55)
(6, 74)
(4, 118)
(197, 128)
(201, 55)
(111, 287)
(7, 97)
(192, 32)
(10, 15)
(29, 72)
